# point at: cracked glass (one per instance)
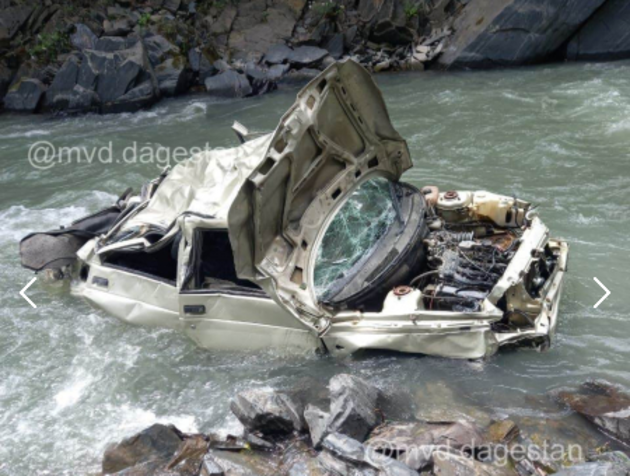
(353, 233)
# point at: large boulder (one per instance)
(124, 80)
(173, 77)
(604, 406)
(306, 55)
(299, 460)
(494, 33)
(229, 84)
(119, 27)
(83, 38)
(73, 101)
(159, 49)
(109, 44)
(605, 36)
(268, 412)
(260, 24)
(278, 54)
(353, 407)
(158, 443)
(6, 76)
(25, 96)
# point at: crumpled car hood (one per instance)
(336, 135)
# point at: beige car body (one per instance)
(276, 195)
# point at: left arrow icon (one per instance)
(23, 292)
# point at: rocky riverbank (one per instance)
(354, 428)
(123, 55)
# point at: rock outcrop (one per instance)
(605, 36)
(499, 33)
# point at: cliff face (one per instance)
(122, 55)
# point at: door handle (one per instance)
(195, 309)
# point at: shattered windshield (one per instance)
(353, 232)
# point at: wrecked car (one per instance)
(306, 238)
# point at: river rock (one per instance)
(6, 76)
(306, 55)
(228, 84)
(604, 406)
(317, 423)
(83, 38)
(25, 96)
(109, 44)
(336, 46)
(594, 469)
(156, 443)
(353, 406)
(513, 32)
(239, 463)
(266, 411)
(605, 36)
(277, 54)
(173, 77)
(73, 101)
(344, 447)
(300, 460)
(140, 97)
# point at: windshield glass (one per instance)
(353, 232)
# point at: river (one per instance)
(73, 379)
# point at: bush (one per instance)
(50, 45)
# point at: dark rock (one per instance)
(223, 24)
(109, 44)
(388, 466)
(221, 65)
(156, 443)
(336, 46)
(210, 467)
(501, 432)
(278, 54)
(11, 20)
(605, 36)
(173, 77)
(300, 460)
(277, 71)
(189, 457)
(345, 448)
(353, 407)
(616, 457)
(388, 32)
(259, 79)
(140, 97)
(242, 463)
(317, 422)
(513, 32)
(159, 48)
(119, 27)
(76, 100)
(604, 406)
(268, 412)
(67, 76)
(201, 62)
(26, 96)
(83, 38)
(6, 76)
(306, 55)
(337, 467)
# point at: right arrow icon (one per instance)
(604, 296)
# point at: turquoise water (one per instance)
(73, 379)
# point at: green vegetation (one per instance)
(412, 10)
(50, 45)
(329, 9)
(144, 20)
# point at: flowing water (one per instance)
(73, 379)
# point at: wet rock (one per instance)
(451, 464)
(73, 101)
(345, 448)
(66, 78)
(501, 432)
(228, 84)
(605, 36)
(616, 457)
(278, 54)
(259, 79)
(604, 406)
(119, 27)
(306, 55)
(513, 32)
(26, 96)
(300, 460)
(277, 72)
(317, 422)
(156, 443)
(140, 97)
(353, 407)
(241, 463)
(268, 412)
(189, 457)
(83, 38)
(173, 77)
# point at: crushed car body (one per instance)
(306, 238)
